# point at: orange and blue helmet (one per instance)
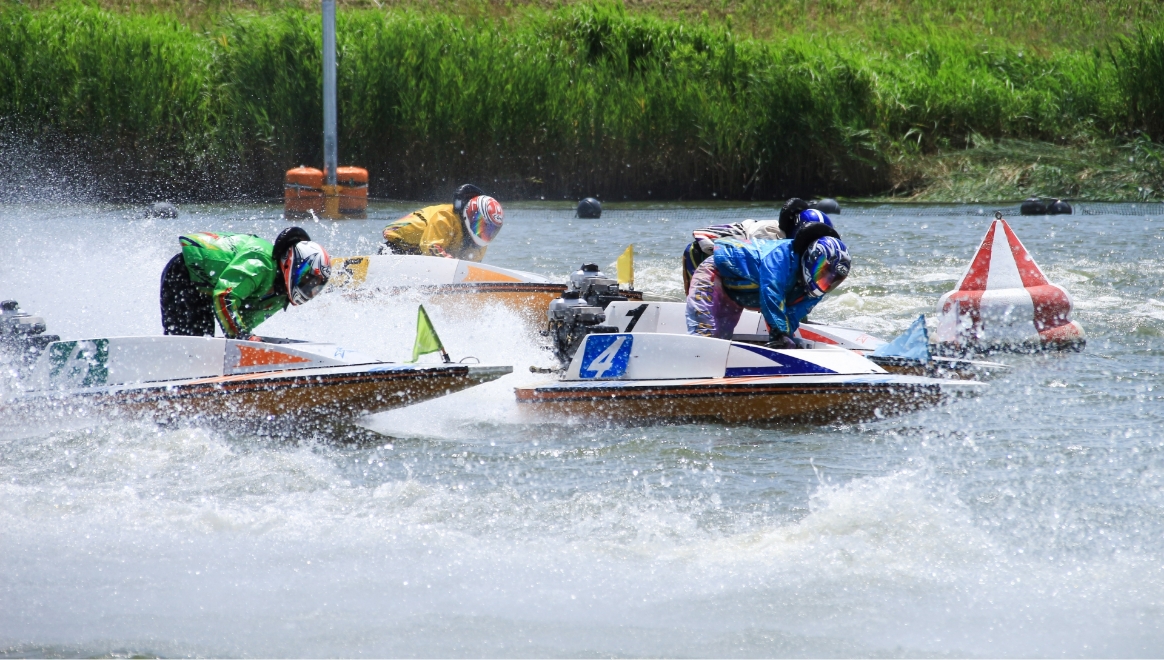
(483, 219)
(306, 270)
(824, 265)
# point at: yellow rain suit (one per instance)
(434, 231)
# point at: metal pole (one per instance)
(330, 155)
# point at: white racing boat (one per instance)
(634, 361)
(227, 379)
(651, 376)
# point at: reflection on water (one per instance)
(1024, 522)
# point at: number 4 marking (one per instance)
(605, 359)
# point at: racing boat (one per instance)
(227, 379)
(469, 285)
(651, 376)
(623, 360)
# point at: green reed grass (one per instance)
(1048, 22)
(585, 99)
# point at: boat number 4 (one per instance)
(606, 356)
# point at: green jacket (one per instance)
(238, 271)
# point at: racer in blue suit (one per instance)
(793, 217)
(783, 279)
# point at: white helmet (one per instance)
(306, 270)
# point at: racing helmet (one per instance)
(810, 216)
(824, 265)
(306, 270)
(483, 219)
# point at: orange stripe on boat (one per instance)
(250, 356)
(814, 336)
(477, 274)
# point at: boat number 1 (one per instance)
(606, 356)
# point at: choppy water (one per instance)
(1028, 522)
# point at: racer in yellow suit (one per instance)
(461, 230)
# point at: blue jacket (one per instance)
(766, 275)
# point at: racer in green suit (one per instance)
(239, 279)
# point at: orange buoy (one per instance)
(303, 192)
(353, 191)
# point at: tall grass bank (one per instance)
(576, 101)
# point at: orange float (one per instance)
(353, 191)
(303, 193)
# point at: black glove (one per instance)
(789, 215)
(780, 340)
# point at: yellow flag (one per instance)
(427, 340)
(626, 266)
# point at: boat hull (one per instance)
(743, 400)
(940, 367)
(336, 394)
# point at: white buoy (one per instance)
(1005, 301)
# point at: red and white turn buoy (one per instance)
(1005, 301)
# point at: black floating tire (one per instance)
(1033, 206)
(590, 208)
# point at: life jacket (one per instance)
(764, 275)
(703, 241)
(239, 273)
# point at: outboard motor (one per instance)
(21, 334)
(581, 310)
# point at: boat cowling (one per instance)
(652, 356)
(85, 363)
(669, 318)
(396, 271)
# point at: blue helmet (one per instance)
(824, 265)
(809, 216)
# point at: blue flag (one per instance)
(915, 343)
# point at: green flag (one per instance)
(427, 340)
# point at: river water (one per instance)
(1026, 522)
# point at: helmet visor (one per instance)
(309, 282)
(823, 276)
(308, 268)
(482, 228)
